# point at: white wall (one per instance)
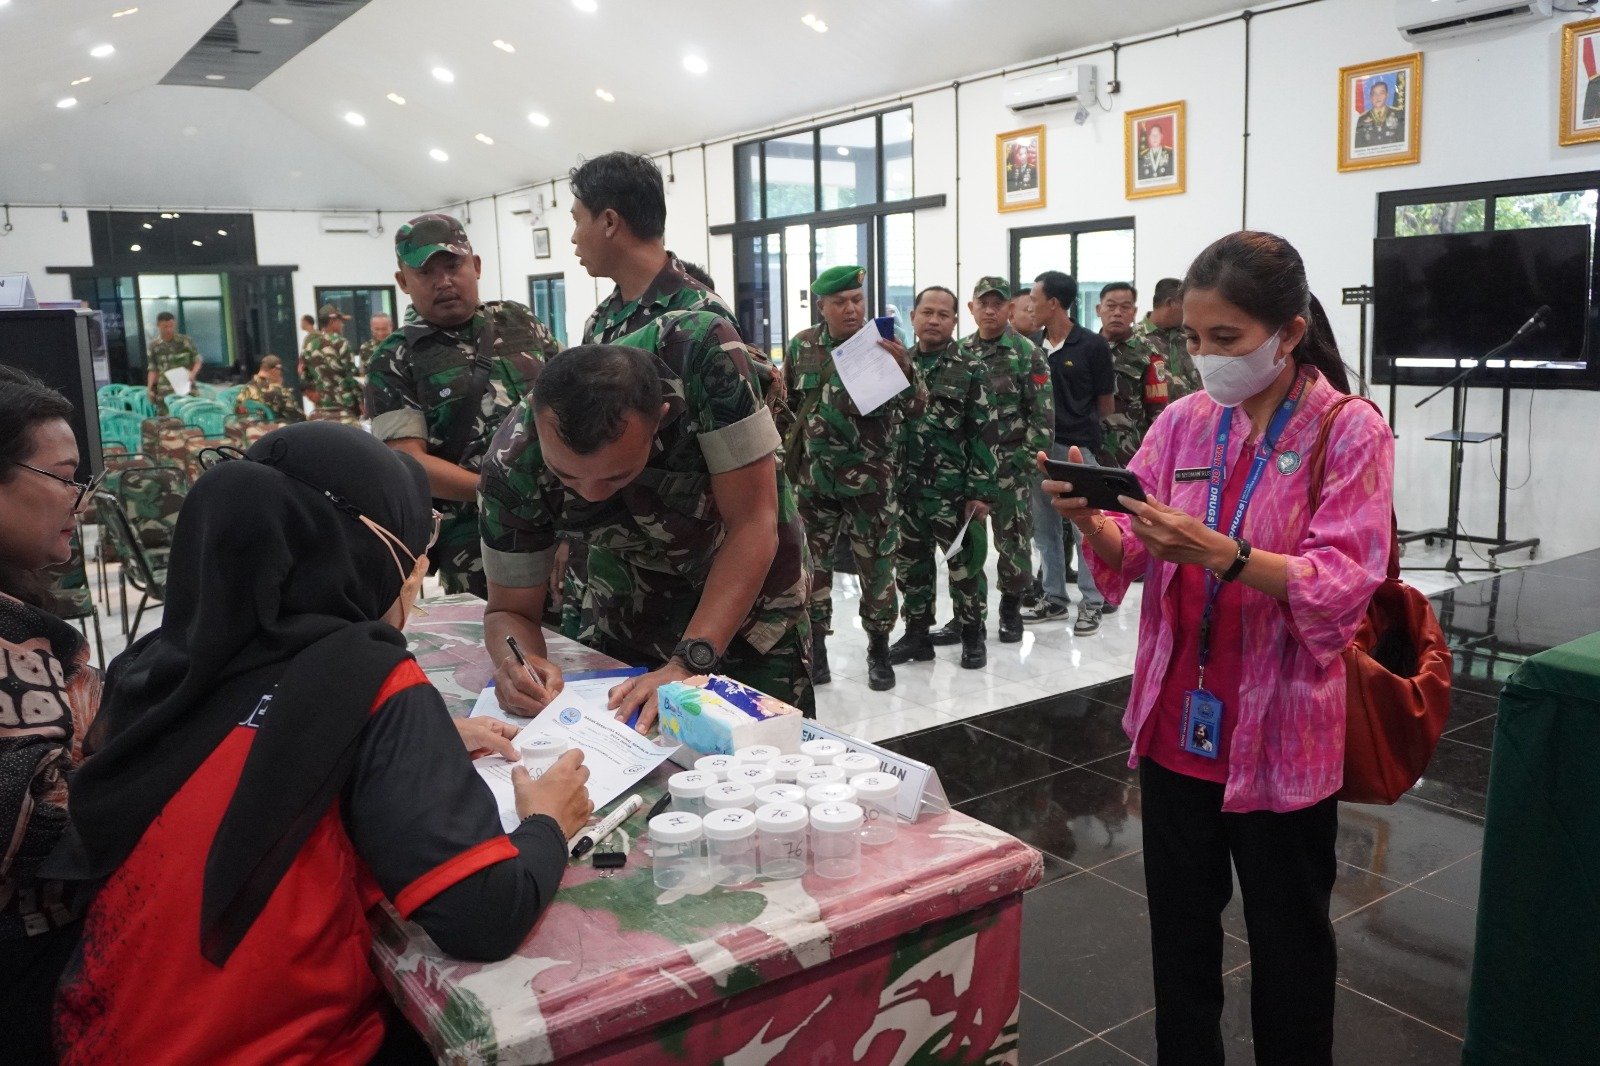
(38, 239)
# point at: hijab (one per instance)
(272, 577)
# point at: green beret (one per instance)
(837, 279)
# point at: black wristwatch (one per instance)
(1238, 561)
(698, 656)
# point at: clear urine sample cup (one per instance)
(717, 764)
(833, 792)
(539, 753)
(875, 795)
(836, 840)
(757, 754)
(857, 762)
(824, 751)
(677, 852)
(819, 775)
(786, 766)
(781, 839)
(731, 846)
(688, 788)
(780, 793)
(754, 775)
(728, 796)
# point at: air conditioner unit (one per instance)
(349, 223)
(1057, 87)
(1438, 20)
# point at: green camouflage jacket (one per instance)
(651, 545)
(364, 355)
(278, 399)
(950, 447)
(1019, 391)
(1182, 377)
(845, 453)
(1140, 374)
(328, 369)
(163, 356)
(671, 290)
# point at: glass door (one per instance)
(760, 288)
(547, 295)
(358, 304)
(1094, 253)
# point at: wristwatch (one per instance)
(699, 656)
(1238, 561)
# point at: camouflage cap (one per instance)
(837, 279)
(426, 236)
(994, 284)
(328, 312)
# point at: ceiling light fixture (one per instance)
(483, 138)
(79, 81)
(133, 247)
(125, 11)
(588, 7)
(281, 20)
(66, 102)
(222, 233)
(396, 98)
(216, 77)
(607, 97)
(355, 118)
(539, 118)
(444, 74)
(198, 244)
(439, 155)
(100, 51)
(148, 225)
(167, 214)
(504, 46)
(814, 22)
(842, 150)
(695, 64)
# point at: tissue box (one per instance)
(716, 715)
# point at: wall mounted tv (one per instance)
(1441, 302)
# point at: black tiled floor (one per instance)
(1073, 727)
(1094, 1053)
(1407, 841)
(1412, 951)
(983, 762)
(1480, 732)
(1457, 882)
(1043, 1034)
(1457, 777)
(1467, 706)
(1076, 815)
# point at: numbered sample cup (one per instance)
(875, 795)
(780, 794)
(786, 766)
(757, 754)
(855, 763)
(688, 788)
(833, 792)
(728, 796)
(731, 846)
(836, 840)
(754, 775)
(819, 775)
(540, 753)
(677, 852)
(823, 751)
(717, 764)
(781, 839)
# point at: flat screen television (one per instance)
(1443, 301)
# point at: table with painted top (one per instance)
(914, 960)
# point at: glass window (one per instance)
(1575, 207)
(791, 175)
(1035, 255)
(547, 295)
(747, 180)
(841, 246)
(1104, 256)
(898, 268)
(158, 287)
(849, 164)
(200, 285)
(358, 305)
(897, 170)
(1456, 216)
(203, 321)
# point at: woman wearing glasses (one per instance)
(270, 763)
(48, 696)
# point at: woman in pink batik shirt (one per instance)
(1251, 592)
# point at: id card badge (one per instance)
(1202, 723)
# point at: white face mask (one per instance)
(1232, 379)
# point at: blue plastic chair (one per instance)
(207, 416)
(121, 427)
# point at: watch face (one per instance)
(699, 654)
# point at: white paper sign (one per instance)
(16, 293)
(920, 787)
(869, 373)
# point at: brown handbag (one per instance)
(1397, 674)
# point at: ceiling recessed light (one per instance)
(607, 97)
(281, 20)
(149, 225)
(538, 118)
(198, 244)
(444, 74)
(483, 137)
(439, 155)
(133, 247)
(842, 150)
(176, 215)
(222, 233)
(504, 46)
(80, 81)
(695, 65)
(588, 7)
(355, 118)
(100, 51)
(396, 98)
(67, 101)
(815, 23)
(125, 11)
(216, 77)
(166, 214)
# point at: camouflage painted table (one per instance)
(915, 960)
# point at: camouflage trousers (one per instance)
(871, 521)
(929, 522)
(1012, 519)
(457, 558)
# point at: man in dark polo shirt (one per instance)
(1085, 391)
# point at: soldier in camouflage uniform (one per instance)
(421, 381)
(1140, 373)
(667, 470)
(170, 351)
(268, 390)
(947, 478)
(328, 369)
(848, 468)
(379, 326)
(1162, 328)
(1024, 417)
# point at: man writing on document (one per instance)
(658, 454)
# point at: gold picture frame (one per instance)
(1387, 133)
(1019, 169)
(1580, 83)
(1160, 168)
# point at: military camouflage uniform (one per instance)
(1024, 417)
(278, 399)
(1140, 373)
(652, 545)
(330, 371)
(364, 356)
(414, 387)
(162, 356)
(1182, 377)
(949, 461)
(847, 476)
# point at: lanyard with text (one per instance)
(1202, 712)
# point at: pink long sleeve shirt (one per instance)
(1287, 749)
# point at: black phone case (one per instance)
(1100, 485)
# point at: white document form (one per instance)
(959, 539)
(869, 372)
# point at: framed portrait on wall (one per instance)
(1580, 82)
(541, 244)
(1155, 152)
(1380, 113)
(1019, 169)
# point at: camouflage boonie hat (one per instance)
(426, 236)
(993, 284)
(327, 313)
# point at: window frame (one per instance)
(741, 195)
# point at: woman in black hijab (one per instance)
(270, 763)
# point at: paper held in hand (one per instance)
(869, 373)
(178, 377)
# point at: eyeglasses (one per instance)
(85, 488)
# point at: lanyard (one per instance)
(1258, 466)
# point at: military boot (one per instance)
(1010, 619)
(914, 645)
(820, 674)
(974, 655)
(947, 634)
(880, 674)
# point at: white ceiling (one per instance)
(130, 141)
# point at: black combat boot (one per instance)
(974, 655)
(947, 634)
(1010, 619)
(820, 674)
(914, 645)
(880, 675)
